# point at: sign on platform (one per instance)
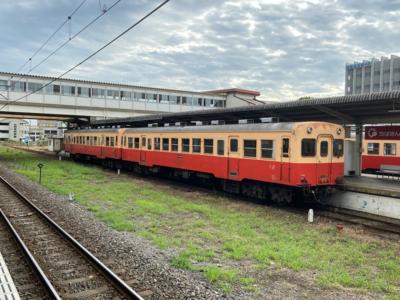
(382, 133)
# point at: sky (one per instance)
(284, 49)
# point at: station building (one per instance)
(373, 76)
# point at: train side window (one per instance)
(185, 145)
(116, 141)
(209, 146)
(267, 148)
(285, 147)
(308, 147)
(130, 142)
(373, 148)
(323, 149)
(107, 141)
(220, 147)
(250, 148)
(157, 145)
(165, 144)
(174, 144)
(338, 148)
(389, 149)
(95, 140)
(112, 141)
(148, 144)
(137, 143)
(143, 142)
(233, 147)
(196, 145)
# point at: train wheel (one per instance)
(281, 196)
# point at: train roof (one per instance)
(285, 126)
(214, 128)
(93, 130)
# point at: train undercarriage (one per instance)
(274, 193)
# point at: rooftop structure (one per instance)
(373, 76)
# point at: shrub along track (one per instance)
(72, 270)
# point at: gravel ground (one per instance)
(143, 266)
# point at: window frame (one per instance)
(208, 149)
(247, 148)
(314, 144)
(272, 149)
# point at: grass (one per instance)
(216, 236)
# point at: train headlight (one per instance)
(339, 131)
(309, 130)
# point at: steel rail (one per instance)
(111, 276)
(32, 261)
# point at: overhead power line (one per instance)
(52, 35)
(74, 36)
(91, 55)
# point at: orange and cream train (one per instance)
(269, 161)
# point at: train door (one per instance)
(143, 149)
(285, 159)
(233, 157)
(324, 158)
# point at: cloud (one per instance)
(285, 49)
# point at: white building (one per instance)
(68, 97)
(13, 130)
(373, 76)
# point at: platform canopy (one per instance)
(383, 107)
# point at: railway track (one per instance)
(360, 218)
(60, 267)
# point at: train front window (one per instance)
(323, 150)
(389, 149)
(250, 148)
(308, 147)
(373, 148)
(338, 148)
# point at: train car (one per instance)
(380, 147)
(259, 160)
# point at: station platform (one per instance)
(369, 194)
(8, 290)
(372, 184)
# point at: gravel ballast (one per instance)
(137, 262)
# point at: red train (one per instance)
(381, 147)
(267, 161)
